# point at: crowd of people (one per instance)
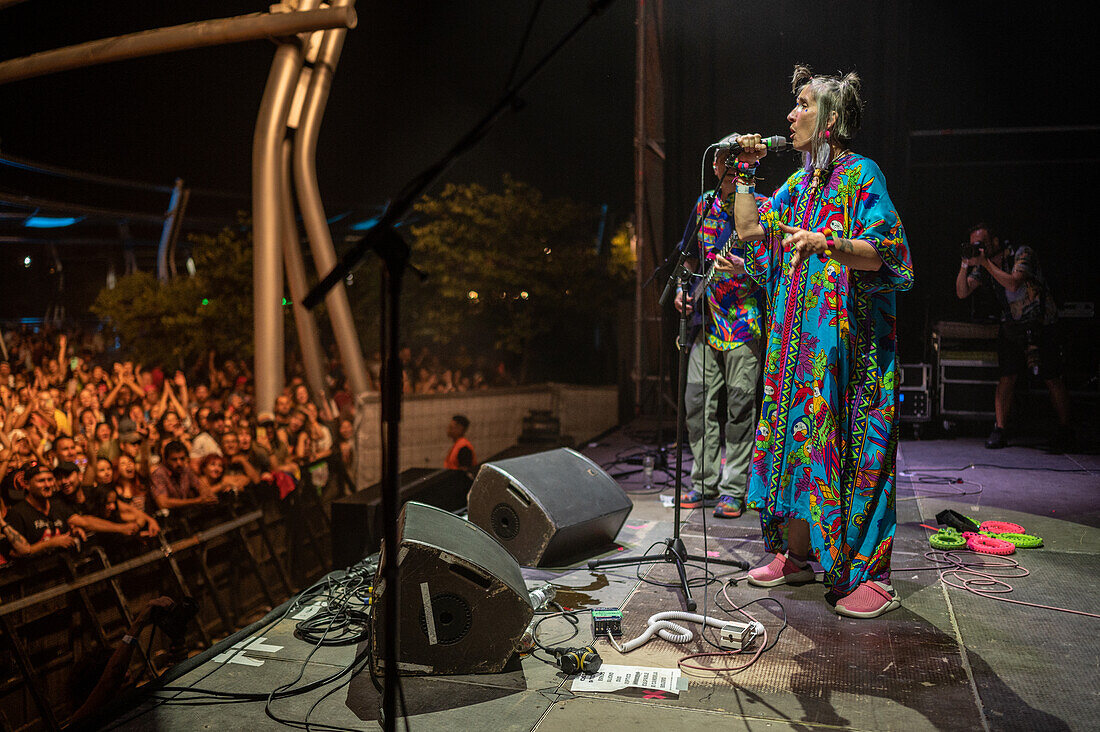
(94, 445)
(426, 373)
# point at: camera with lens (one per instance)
(173, 620)
(971, 250)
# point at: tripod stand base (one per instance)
(674, 553)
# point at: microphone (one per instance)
(729, 142)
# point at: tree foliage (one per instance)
(510, 269)
(175, 323)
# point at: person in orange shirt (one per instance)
(461, 456)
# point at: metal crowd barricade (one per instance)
(80, 581)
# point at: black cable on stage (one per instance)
(1003, 467)
(337, 616)
(332, 691)
(570, 616)
(190, 688)
(333, 616)
(758, 601)
(626, 457)
(917, 480)
(351, 627)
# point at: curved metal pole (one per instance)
(177, 38)
(21, 163)
(313, 212)
(166, 231)
(267, 269)
(309, 339)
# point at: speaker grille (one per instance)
(452, 618)
(505, 521)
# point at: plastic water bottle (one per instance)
(647, 470)
(541, 596)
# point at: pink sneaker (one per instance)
(780, 571)
(869, 600)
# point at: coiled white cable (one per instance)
(661, 624)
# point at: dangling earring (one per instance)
(826, 134)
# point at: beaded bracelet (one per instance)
(829, 234)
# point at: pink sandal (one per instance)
(869, 600)
(780, 571)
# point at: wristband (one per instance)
(129, 640)
(745, 189)
(830, 234)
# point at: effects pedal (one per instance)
(607, 620)
(734, 636)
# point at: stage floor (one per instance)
(947, 659)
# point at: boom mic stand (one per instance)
(675, 552)
(384, 241)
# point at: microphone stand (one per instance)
(391, 248)
(675, 552)
(660, 461)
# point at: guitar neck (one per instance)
(702, 285)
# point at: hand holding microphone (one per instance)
(752, 148)
(748, 149)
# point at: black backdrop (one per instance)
(924, 66)
(416, 75)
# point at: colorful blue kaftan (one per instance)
(826, 442)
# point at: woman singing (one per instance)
(830, 251)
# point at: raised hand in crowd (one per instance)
(181, 384)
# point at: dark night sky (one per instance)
(412, 78)
(415, 75)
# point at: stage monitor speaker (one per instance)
(463, 604)
(357, 519)
(549, 508)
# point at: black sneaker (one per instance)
(996, 439)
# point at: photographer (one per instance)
(1028, 338)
